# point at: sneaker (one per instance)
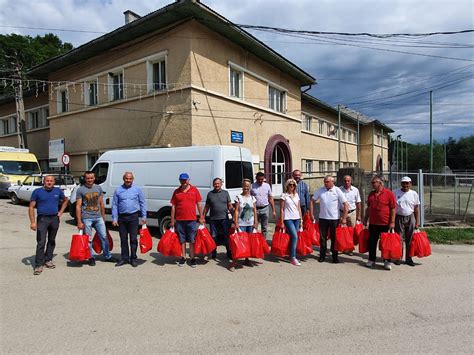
(397, 262)
(49, 264)
(370, 263)
(295, 262)
(410, 262)
(231, 266)
(38, 270)
(193, 262)
(321, 259)
(182, 262)
(387, 265)
(134, 263)
(111, 260)
(92, 262)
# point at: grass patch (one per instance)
(451, 235)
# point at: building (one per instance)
(184, 75)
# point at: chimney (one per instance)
(130, 16)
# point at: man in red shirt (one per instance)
(380, 214)
(184, 201)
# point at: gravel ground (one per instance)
(271, 307)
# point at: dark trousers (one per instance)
(328, 226)
(220, 232)
(47, 228)
(374, 235)
(128, 226)
(405, 226)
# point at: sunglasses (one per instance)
(291, 184)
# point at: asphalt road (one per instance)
(272, 307)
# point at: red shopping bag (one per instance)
(420, 245)
(344, 238)
(239, 245)
(307, 220)
(79, 250)
(357, 230)
(391, 246)
(302, 247)
(97, 243)
(146, 242)
(258, 245)
(312, 233)
(364, 241)
(280, 244)
(204, 244)
(169, 244)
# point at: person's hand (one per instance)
(202, 220)
(115, 223)
(172, 224)
(391, 225)
(274, 214)
(343, 220)
(80, 225)
(60, 214)
(143, 221)
(33, 226)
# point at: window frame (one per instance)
(88, 93)
(111, 82)
(240, 82)
(150, 72)
(279, 105)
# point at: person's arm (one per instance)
(282, 211)
(31, 214)
(311, 209)
(417, 216)
(206, 209)
(102, 207)
(115, 209)
(142, 202)
(306, 195)
(236, 214)
(80, 225)
(358, 210)
(392, 218)
(272, 203)
(345, 212)
(173, 213)
(202, 217)
(63, 206)
(255, 218)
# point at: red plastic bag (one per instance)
(344, 238)
(169, 244)
(307, 220)
(312, 233)
(280, 244)
(391, 246)
(239, 245)
(420, 245)
(204, 244)
(97, 243)
(302, 247)
(79, 250)
(258, 245)
(146, 242)
(357, 230)
(364, 241)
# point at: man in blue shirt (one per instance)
(128, 205)
(303, 191)
(46, 200)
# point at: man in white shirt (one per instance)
(407, 216)
(331, 201)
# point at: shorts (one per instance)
(186, 231)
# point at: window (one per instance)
(354, 138)
(321, 127)
(235, 81)
(63, 101)
(235, 172)
(349, 136)
(159, 75)
(15, 167)
(309, 167)
(344, 135)
(91, 159)
(322, 166)
(307, 123)
(38, 118)
(5, 126)
(100, 171)
(276, 99)
(379, 139)
(116, 82)
(91, 93)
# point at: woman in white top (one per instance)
(290, 214)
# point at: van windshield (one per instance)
(235, 172)
(19, 167)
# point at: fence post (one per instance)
(421, 194)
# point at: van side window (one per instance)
(100, 171)
(235, 172)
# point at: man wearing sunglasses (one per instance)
(407, 216)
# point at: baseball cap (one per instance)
(183, 176)
(406, 179)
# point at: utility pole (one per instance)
(339, 134)
(20, 107)
(431, 150)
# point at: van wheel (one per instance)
(14, 198)
(164, 224)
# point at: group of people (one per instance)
(338, 206)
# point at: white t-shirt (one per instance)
(331, 201)
(291, 206)
(406, 202)
(352, 196)
(246, 204)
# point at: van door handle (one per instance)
(107, 200)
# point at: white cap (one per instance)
(406, 179)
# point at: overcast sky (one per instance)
(379, 82)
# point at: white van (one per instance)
(156, 171)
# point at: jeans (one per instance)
(220, 227)
(328, 226)
(248, 229)
(292, 227)
(99, 225)
(262, 215)
(374, 235)
(186, 231)
(47, 228)
(128, 226)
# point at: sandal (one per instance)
(49, 264)
(38, 270)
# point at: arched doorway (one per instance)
(379, 164)
(278, 162)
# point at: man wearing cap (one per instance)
(407, 216)
(303, 191)
(184, 201)
(263, 194)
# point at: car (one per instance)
(23, 191)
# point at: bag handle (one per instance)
(255, 230)
(81, 232)
(201, 226)
(391, 230)
(144, 226)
